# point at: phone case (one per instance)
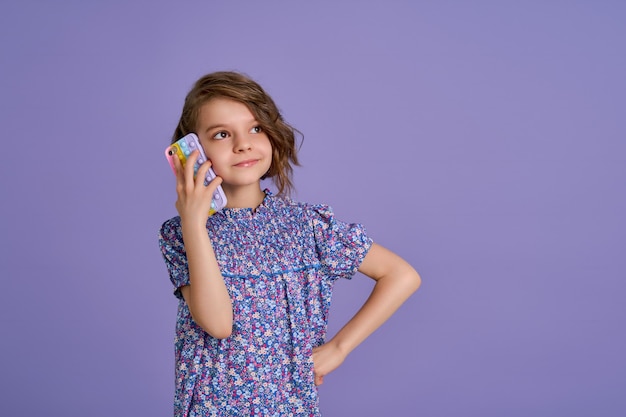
(183, 148)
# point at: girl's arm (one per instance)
(206, 295)
(395, 280)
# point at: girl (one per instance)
(254, 280)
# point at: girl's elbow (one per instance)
(417, 280)
(222, 334)
(412, 280)
(218, 332)
(218, 329)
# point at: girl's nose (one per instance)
(242, 143)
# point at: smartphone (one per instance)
(182, 148)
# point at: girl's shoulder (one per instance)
(170, 229)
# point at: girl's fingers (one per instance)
(188, 184)
(215, 182)
(194, 198)
(201, 176)
(319, 380)
(191, 161)
(178, 170)
(202, 171)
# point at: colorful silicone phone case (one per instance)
(183, 148)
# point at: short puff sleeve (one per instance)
(173, 250)
(341, 247)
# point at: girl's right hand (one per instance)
(194, 198)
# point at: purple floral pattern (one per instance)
(279, 263)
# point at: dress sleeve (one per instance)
(173, 250)
(340, 246)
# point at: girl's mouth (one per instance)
(247, 163)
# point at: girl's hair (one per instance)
(239, 87)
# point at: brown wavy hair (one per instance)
(239, 87)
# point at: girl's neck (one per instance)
(244, 197)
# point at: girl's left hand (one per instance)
(326, 358)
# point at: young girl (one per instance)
(254, 280)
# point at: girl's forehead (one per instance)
(225, 111)
(224, 107)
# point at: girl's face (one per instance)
(233, 140)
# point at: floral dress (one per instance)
(279, 263)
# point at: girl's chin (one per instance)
(242, 180)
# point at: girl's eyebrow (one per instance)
(212, 127)
(221, 125)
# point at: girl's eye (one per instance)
(256, 129)
(220, 135)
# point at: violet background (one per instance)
(483, 141)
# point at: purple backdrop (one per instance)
(484, 141)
